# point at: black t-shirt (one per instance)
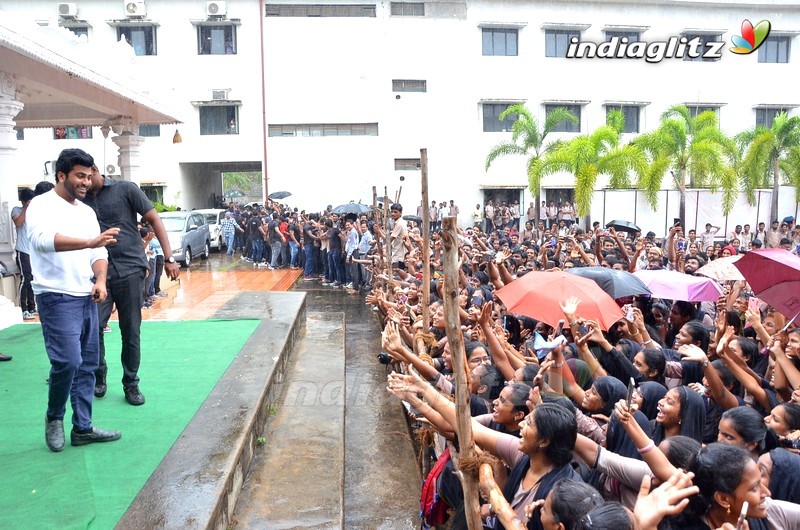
(308, 232)
(271, 231)
(252, 228)
(295, 231)
(334, 242)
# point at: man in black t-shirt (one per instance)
(276, 238)
(255, 231)
(335, 265)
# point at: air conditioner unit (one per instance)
(111, 169)
(68, 10)
(221, 93)
(216, 9)
(135, 8)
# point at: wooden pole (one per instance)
(499, 503)
(397, 195)
(455, 340)
(426, 243)
(387, 234)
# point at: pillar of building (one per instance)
(9, 197)
(129, 145)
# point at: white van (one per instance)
(214, 217)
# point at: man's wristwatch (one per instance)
(171, 259)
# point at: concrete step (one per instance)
(297, 477)
(198, 481)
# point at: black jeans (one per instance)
(126, 293)
(26, 299)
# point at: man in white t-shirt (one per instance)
(69, 264)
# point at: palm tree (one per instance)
(590, 155)
(527, 139)
(692, 147)
(772, 151)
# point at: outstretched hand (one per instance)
(570, 306)
(669, 498)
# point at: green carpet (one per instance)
(92, 486)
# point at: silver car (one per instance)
(214, 217)
(188, 234)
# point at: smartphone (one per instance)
(631, 386)
(553, 242)
(742, 515)
(753, 303)
(676, 221)
(629, 313)
(681, 245)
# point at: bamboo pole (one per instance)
(455, 340)
(499, 503)
(426, 243)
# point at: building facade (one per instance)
(333, 98)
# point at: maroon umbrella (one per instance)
(774, 276)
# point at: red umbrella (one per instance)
(774, 276)
(539, 295)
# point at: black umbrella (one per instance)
(234, 194)
(618, 284)
(356, 208)
(278, 195)
(623, 226)
(416, 218)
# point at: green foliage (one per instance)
(528, 139)
(161, 207)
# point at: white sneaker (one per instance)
(349, 285)
(27, 315)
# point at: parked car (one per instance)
(214, 217)
(188, 235)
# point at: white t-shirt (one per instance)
(67, 272)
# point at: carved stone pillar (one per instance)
(129, 146)
(9, 108)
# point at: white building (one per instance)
(352, 90)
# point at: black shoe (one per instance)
(54, 434)
(97, 435)
(100, 390)
(133, 396)
(4, 357)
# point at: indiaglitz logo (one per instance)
(751, 37)
(652, 52)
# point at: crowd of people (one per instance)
(709, 436)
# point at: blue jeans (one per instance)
(70, 329)
(295, 250)
(335, 266)
(229, 243)
(311, 256)
(258, 250)
(276, 253)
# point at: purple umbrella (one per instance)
(674, 285)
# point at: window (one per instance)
(499, 41)
(150, 130)
(319, 10)
(694, 110)
(80, 31)
(702, 49)
(408, 9)
(324, 129)
(406, 164)
(154, 193)
(632, 36)
(566, 126)
(775, 50)
(491, 117)
(20, 133)
(142, 38)
(409, 85)
(219, 119)
(556, 41)
(216, 40)
(631, 114)
(765, 116)
(72, 132)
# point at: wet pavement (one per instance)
(336, 451)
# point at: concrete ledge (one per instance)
(197, 483)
